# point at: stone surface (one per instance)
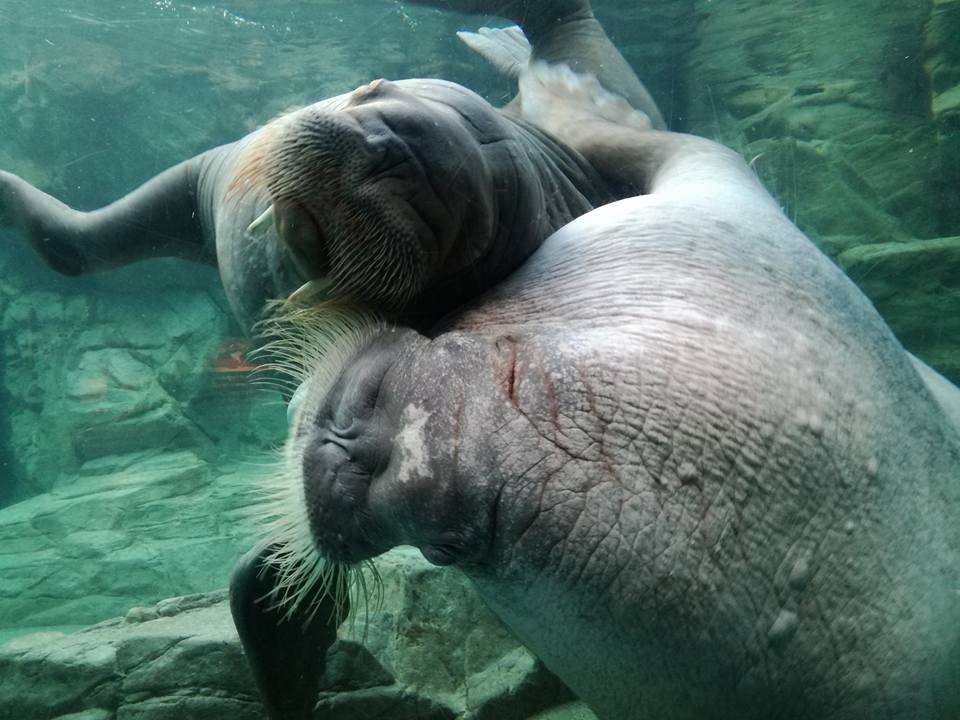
(181, 658)
(88, 376)
(90, 548)
(833, 109)
(569, 711)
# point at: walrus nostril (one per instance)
(370, 90)
(335, 489)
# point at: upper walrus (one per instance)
(399, 193)
(677, 452)
(410, 197)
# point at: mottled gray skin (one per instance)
(481, 190)
(678, 453)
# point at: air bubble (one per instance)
(783, 628)
(800, 574)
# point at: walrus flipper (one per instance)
(566, 32)
(285, 648)
(159, 219)
(507, 49)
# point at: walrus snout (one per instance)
(346, 202)
(347, 443)
(335, 488)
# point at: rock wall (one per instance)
(125, 531)
(831, 103)
(942, 65)
(432, 652)
(90, 373)
(849, 113)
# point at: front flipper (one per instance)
(159, 219)
(285, 648)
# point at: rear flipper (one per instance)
(158, 219)
(566, 32)
(286, 648)
(558, 100)
(507, 49)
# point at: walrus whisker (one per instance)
(306, 345)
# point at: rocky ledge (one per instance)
(432, 651)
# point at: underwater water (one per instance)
(133, 436)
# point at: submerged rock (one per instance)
(133, 530)
(181, 658)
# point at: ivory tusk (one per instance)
(309, 290)
(258, 226)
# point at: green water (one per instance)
(127, 455)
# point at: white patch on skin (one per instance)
(411, 444)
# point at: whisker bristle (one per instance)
(308, 345)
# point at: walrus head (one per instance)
(399, 190)
(384, 450)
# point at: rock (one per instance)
(181, 658)
(88, 379)
(570, 711)
(380, 703)
(184, 666)
(87, 715)
(942, 65)
(152, 527)
(514, 687)
(942, 61)
(771, 75)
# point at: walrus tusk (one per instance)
(258, 226)
(309, 290)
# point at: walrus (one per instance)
(423, 172)
(409, 197)
(677, 452)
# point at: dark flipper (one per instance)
(159, 219)
(565, 31)
(287, 653)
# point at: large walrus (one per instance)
(677, 452)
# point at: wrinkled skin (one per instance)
(677, 452)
